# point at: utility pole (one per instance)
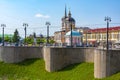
(107, 19)
(25, 25)
(71, 34)
(99, 36)
(48, 24)
(86, 37)
(3, 25)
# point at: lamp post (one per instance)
(99, 37)
(48, 24)
(107, 19)
(119, 35)
(3, 25)
(86, 37)
(71, 34)
(25, 25)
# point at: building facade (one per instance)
(100, 35)
(76, 38)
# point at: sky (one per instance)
(14, 13)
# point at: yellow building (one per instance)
(100, 35)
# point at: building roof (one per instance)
(116, 28)
(74, 33)
(70, 19)
(84, 28)
(59, 31)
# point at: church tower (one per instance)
(67, 21)
(64, 20)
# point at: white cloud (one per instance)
(42, 16)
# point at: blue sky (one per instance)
(14, 13)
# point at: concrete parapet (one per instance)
(58, 58)
(114, 61)
(100, 64)
(47, 59)
(106, 63)
(18, 54)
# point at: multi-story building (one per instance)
(100, 35)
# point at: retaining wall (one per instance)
(114, 58)
(18, 54)
(58, 58)
(105, 63)
(100, 64)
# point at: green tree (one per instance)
(0, 39)
(16, 36)
(41, 40)
(51, 41)
(7, 38)
(29, 40)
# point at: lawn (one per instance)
(34, 70)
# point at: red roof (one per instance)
(103, 29)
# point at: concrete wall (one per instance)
(18, 54)
(114, 61)
(100, 64)
(106, 63)
(58, 58)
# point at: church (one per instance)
(68, 23)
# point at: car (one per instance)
(116, 45)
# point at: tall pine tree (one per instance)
(16, 36)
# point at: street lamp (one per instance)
(71, 40)
(86, 37)
(48, 24)
(3, 25)
(107, 19)
(26, 25)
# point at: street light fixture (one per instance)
(48, 24)
(107, 19)
(3, 25)
(26, 25)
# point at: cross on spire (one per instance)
(69, 14)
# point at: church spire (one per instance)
(65, 12)
(69, 14)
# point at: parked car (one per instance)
(117, 45)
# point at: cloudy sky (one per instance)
(14, 13)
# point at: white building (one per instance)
(76, 38)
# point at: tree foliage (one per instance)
(7, 39)
(51, 41)
(29, 40)
(41, 40)
(16, 36)
(0, 39)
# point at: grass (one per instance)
(34, 69)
